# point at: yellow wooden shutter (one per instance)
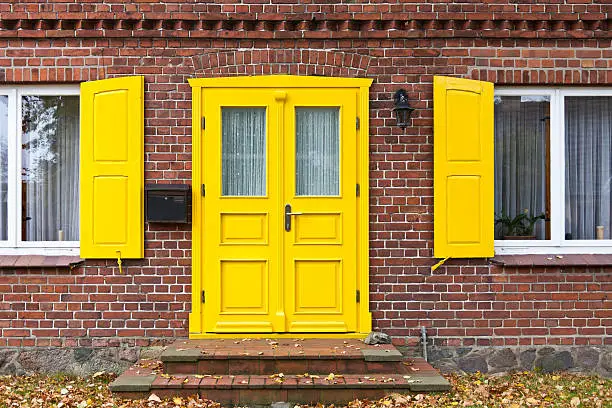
(112, 168)
(463, 168)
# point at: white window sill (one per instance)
(535, 247)
(43, 251)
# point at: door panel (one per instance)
(280, 223)
(320, 228)
(321, 252)
(240, 246)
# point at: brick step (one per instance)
(140, 382)
(293, 356)
(266, 366)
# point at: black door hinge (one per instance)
(203, 296)
(357, 123)
(203, 191)
(358, 296)
(203, 122)
(357, 190)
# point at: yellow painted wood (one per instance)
(216, 218)
(320, 251)
(463, 168)
(112, 168)
(280, 82)
(197, 151)
(252, 335)
(240, 235)
(364, 317)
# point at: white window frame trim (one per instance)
(557, 244)
(14, 245)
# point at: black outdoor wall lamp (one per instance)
(402, 109)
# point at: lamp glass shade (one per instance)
(402, 109)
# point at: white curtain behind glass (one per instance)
(317, 141)
(50, 168)
(588, 166)
(520, 157)
(243, 151)
(3, 166)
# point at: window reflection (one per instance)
(50, 168)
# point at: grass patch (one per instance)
(524, 389)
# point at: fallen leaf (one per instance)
(154, 397)
(574, 402)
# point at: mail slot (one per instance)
(167, 202)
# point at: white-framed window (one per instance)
(39, 170)
(553, 170)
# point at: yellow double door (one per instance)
(279, 233)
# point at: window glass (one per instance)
(317, 148)
(522, 199)
(243, 151)
(50, 168)
(588, 167)
(3, 166)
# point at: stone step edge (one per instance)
(152, 382)
(193, 355)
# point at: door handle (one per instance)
(288, 215)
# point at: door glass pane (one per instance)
(50, 168)
(588, 167)
(522, 199)
(243, 151)
(3, 165)
(317, 151)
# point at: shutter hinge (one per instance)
(357, 123)
(203, 190)
(358, 296)
(358, 190)
(203, 296)
(203, 122)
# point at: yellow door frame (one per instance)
(364, 317)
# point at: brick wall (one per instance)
(464, 303)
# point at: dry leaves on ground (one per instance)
(525, 389)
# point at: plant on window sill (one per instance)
(519, 227)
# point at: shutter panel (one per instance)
(463, 168)
(112, 168)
